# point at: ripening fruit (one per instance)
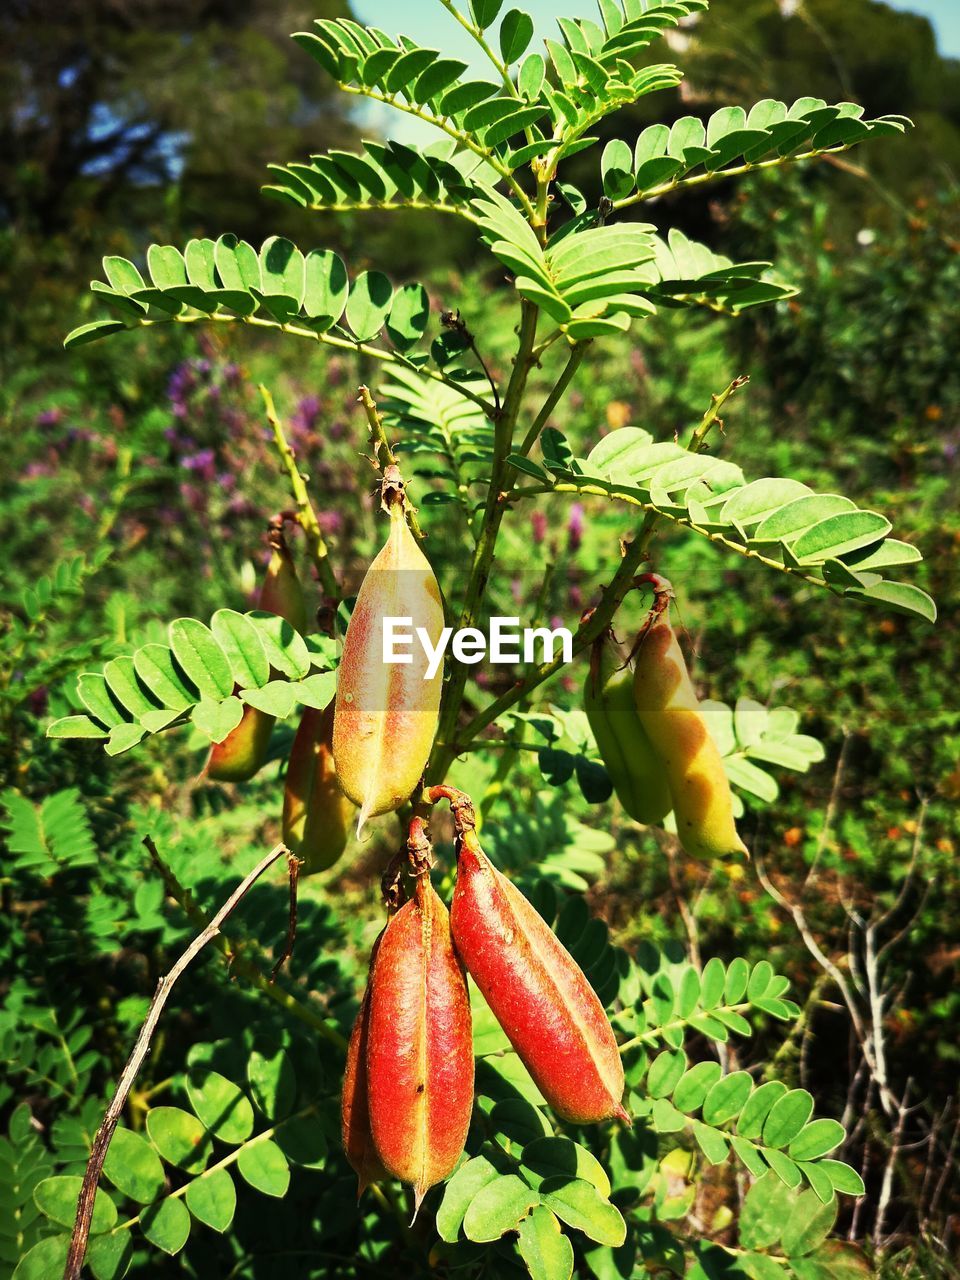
(537, 992)
(354, 1111)
(386, 714)
(419, 1049)
(243, 751)
(635, 769)
(317, 816)
(669, 711)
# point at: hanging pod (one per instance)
(354, 1106)
(536, 990)
(419, 1046)
(317, 816)
(670, 712)
(386, 716)
(243, 751)
(636, 771)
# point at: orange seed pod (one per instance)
(536, 990)
(354, 1109)
(419, 1050)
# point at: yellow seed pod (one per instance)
(636, 771)
(386, 714)
(670, 712)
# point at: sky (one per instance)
(426, 22)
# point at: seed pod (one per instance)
(387, 713)
(317, 816)
(635, 769)
(670, 712)
(354, 1109)
(243, 751)
(536, 990)
(419, 1048)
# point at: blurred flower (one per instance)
(331, 522)
(538, 526)
(575, 526)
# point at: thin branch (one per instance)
(886, 1188)
(830, 817)
(575, 359)
(293, 867)
(101, 1143)
(383, 453)
(309, 521)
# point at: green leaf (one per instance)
(766, 1209)
(273, 1082)
(179, 1137)
(217, 719)
(712, 983)
(155, 666)
(212, 1199)
(738, 973)
(727, 1098)
(109, 1256)
(95, 696)
(240, 640)
(840, 534)
(816, 1139)
(286, 650)
(278, 698)
(711, 1142)
(460, 1192)
(901, 597)
(809, 1224)
(616, 168)
(665, 1072)
(303, 1142)
(785, 1168)
(221, 1105)
(408, 318)
(79, 337)
(133, 1166)
(265, 1167)
(580, 1205)
(750, 1124)
(834, 1260)
(198, 653)
(56, 1198)
(695, 1084)
(497, 1208)
(167, 1225)
(544, 1248)
(327, 287)
(75, 727)
(369, 304)
(787, 1117)
(45, 1260)
(485, 12)
(553, 1157)
(121, 678)
(516, 32)
(844, 1179)
(532, 74)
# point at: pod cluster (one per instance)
(408, 1091)
(654, 739)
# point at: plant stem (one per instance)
(493, 514)
(309, 521)
(574, 361)
(385, 457)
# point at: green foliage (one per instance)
(205, 675)
(823, 538)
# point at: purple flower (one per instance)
(203, 463)
(331, 522)
(575, 527)
(538, 525)
(49, 417)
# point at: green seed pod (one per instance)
(670, 712)
(636, 771)
(317, 816)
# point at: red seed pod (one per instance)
(243, 751)
(317, 816)
(354, 1110)
(536, 990)
(419, 1048)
